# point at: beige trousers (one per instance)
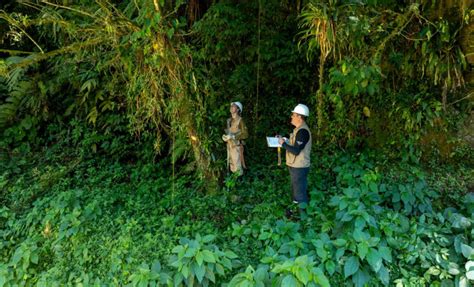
(233, 154)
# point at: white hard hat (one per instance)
(301, 109)
(238, 104)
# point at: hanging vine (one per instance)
(136, 47)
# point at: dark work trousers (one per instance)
(299, 183)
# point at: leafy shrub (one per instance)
(198, 262)
(300, 272)
(150, 276)
(252, 277)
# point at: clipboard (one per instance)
(273, 142)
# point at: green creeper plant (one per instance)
(150, 276)
(252, 277)
(199, 263)
(301, 271)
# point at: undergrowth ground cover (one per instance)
(68, 220)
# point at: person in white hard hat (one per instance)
(235, 134)
(298, 149)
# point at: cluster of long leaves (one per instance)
(372, 64)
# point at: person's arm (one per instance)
(226, 130)
(302, 138)
(243, 134)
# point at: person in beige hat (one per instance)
(235, 134)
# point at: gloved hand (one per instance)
(225, 138)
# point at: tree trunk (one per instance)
(320, 95)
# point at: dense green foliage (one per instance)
(112, 171)
(101, 222)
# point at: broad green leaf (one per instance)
(467, 251)
(289, 281)
(334, 201)
(170, 32)
(175, 263)
(360, 278)
(220, 269)
(386, 253)
(470, 270)
(351, 266)
(330, 267)
(190, 280)
(373, 187)
(34, 258)
(359, 223)
(144, 268)
(230, 254)
(199, 258)
(384, 276)
(433, 270)
(190, 252)
(374, 259)
(402, 188)
(362, 249)
(185, 271)
(373, 241)
(371, 89)
(322, 253)
(303, 275)
(199, 271)
(347, 217)
(208, 256)
(320, 278)
(210, 275)
(343, 204)
(301, 260)
(360, 235)
(463, 282)
(261, 274)
(340, 252)
(156, 266)
(178, 278)
(453, 268)
(226, 262)
(17, 256)
(208, 238)
(364, 83)
(339, 242)
(405, 197)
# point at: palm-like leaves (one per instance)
(123, 57)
